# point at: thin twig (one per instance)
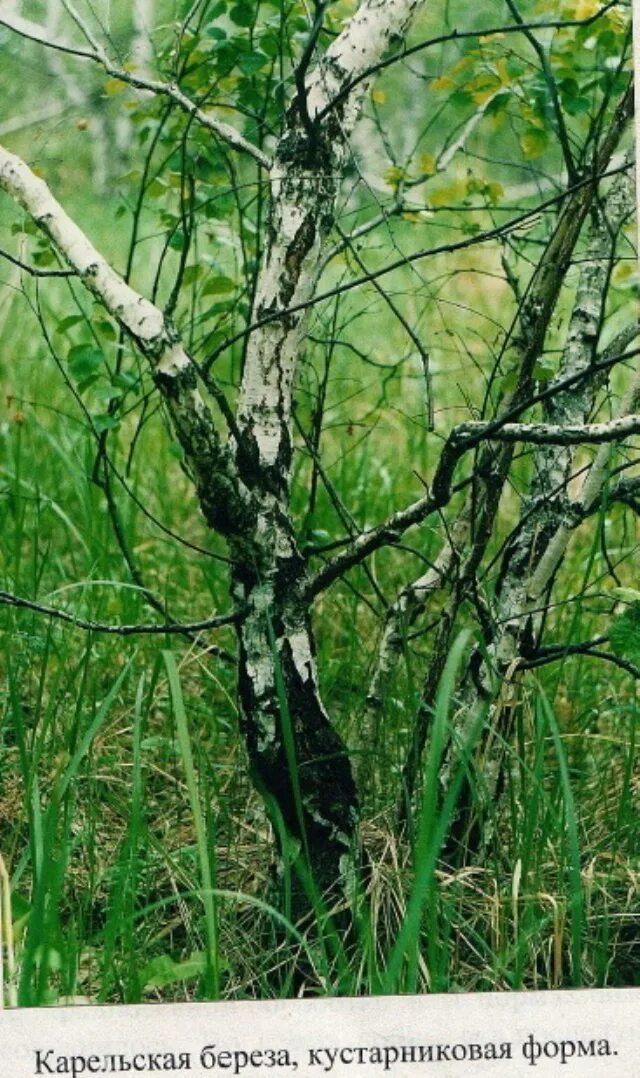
(218, 622)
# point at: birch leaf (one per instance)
(84, 361)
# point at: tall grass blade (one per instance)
(576, 905)
(206, 875)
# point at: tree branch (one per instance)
(97, 55)
(548, 433)
(218, 622)
(269, 315)
(462, 35)
(222, 498)
(34, 271)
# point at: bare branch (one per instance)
(34, 271)
(269, 316)
(34, 32)
(550, 434)
(218, 622)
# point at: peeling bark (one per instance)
(243, 486)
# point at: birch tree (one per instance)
(308, 143)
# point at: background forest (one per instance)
(447, 798)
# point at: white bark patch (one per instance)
(173, 361)
(532, 565)
(145, 324)
(301, 654)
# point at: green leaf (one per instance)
(105, 422)
(625, 634)
(125, 380)
(107, 329)
(157, 188)
(191, 274)
(66, 323)
(44, 257)
(251, 62)
(461, 99)
(218, 285)
(104, 394)
(163, 971)
(544, 371)
(579, 106)
(176, 243)
(242, 14)
(84, 361)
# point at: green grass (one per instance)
(139, 856)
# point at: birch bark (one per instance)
(298, 760)
(277, 645)
(224, 501)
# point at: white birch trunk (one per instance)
(523, 347)
(243, 487)
(304, 180)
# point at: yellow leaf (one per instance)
(623, 271)
(428, 164)
(379, 97)
(447, 196)
(394, 175)
(586, 8)
(533, 143)
(533, 119)
(443, 83)
(502, 67)
(483, 96)
(114, 86)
